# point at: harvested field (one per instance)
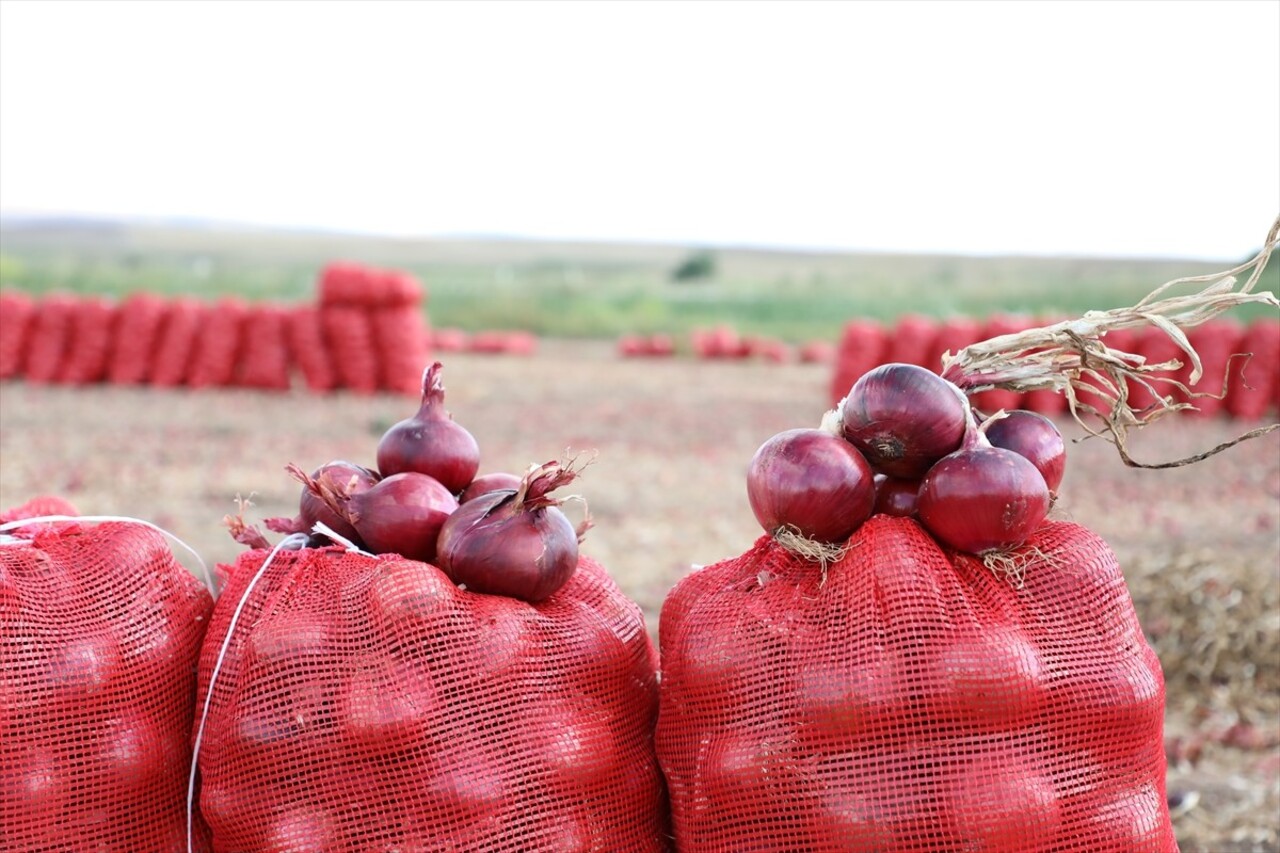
(1200, 545)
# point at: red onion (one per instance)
(904, 418)
(489, 483)
(514, 543)
(1034, 436)
(896, 497)
(431, 442)
(812, 483)
(401, 514)
(312, 508)
(982, 499)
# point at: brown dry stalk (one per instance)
(1071, 356)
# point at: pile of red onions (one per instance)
(497, 534)
(905, 442)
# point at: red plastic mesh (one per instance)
(176, 342)
(912, 701)
(344, 283)
(349, 332)
(369, 704)
(911, 340)
(265, 362)
(99, 633)
(89, 346)
(863, 345)
(137, 327)
(48, 338)
(37, 507)
(16, 311)
(217, 348)
(1255, 385)
(308, 350)
(400, 334)
(954, 334)
(1157, 348)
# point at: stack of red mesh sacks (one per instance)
(908, 698)
(17, 309)
(99, 633)
(370, 704)
(375, 329)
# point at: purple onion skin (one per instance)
(489, 483)
(903, 419)
(812, 481)
(896, 497)
(1034, 436)
(311, 508)
(402, 514)
(431, 442)
(983, 499)
(491, 547)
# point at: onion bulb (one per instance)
(515, 543)
(1034, 436)
(812, 483)
(983, 499)
(489, 483)
(312, 508)
(431, 442)
(401, 514)
(904, 418)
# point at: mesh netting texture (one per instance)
(912, 700)
(370, 704)
(100, 628)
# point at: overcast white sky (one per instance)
(1118, 128)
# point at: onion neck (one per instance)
(537, 484)
(432, 392)
(975, 434)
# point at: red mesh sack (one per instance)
(16, 311)
(99, 632)
(370, 704)
(400, 334)
(137, 328)
(1215, 341)
(911, 699)
(344, 283)
(218, 347)
(1255, 383)
(911, 341)
(348, 333)
(91, 337)
(265, 363)
(37, 507)
(1156, 347)
(49, 338)
(393, 289)
(954, 334)
(307, 348)
(863, 345)
(177, 342)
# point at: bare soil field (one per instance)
(1200, 546)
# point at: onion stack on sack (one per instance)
(99, 631)
(913, 656)
(476, 685)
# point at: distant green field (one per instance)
(585, 289)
